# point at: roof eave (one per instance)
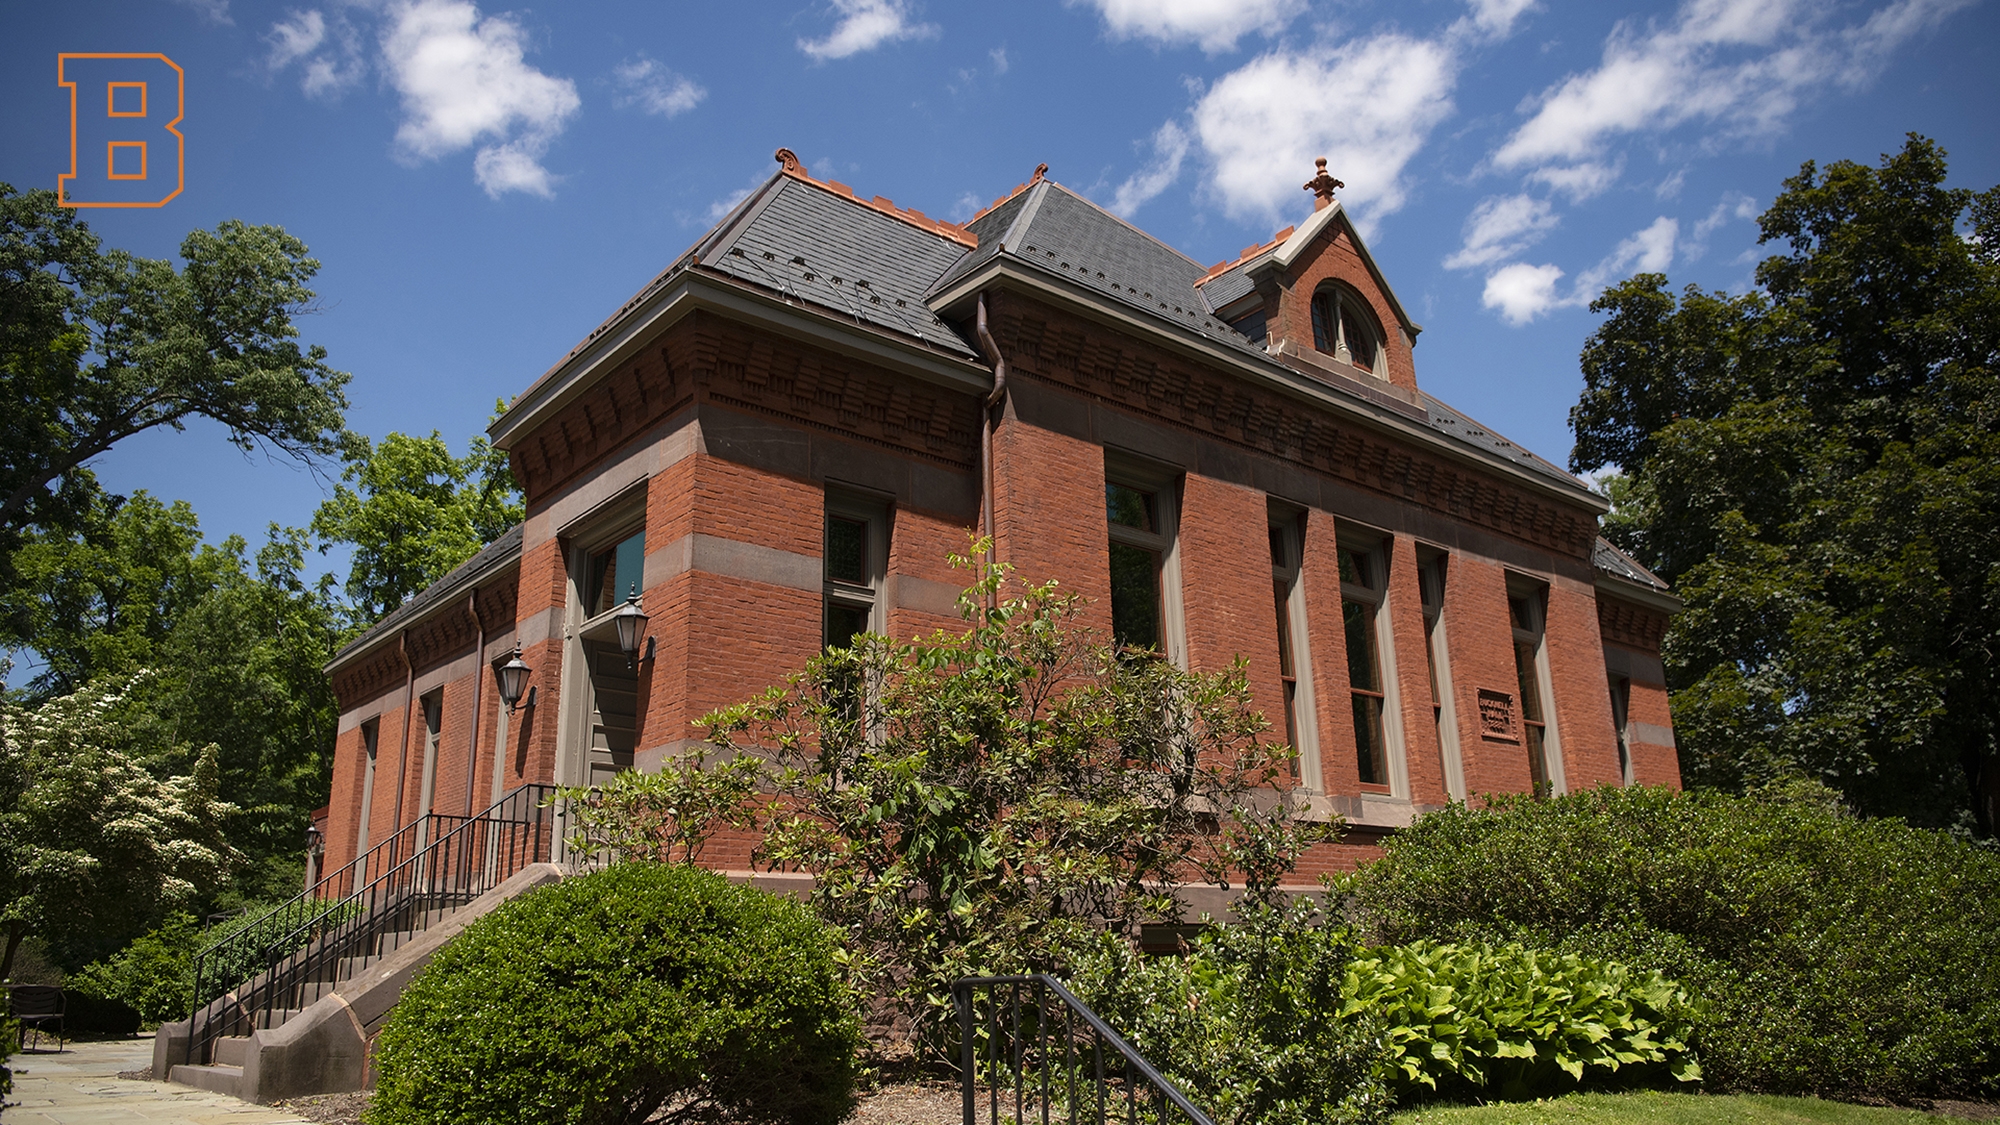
(699, 289)
(1649, 596)
(1264, 371)
(384, 631)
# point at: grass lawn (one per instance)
(1653, 1108)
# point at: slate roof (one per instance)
(1233, 285)
(1454, 423)
(1606, 557)
(1061, 233)
(800, 239)
(492, 557)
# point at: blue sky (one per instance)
(484, 182)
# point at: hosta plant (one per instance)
(1512, 1022)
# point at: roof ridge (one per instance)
(1041, 170)
(1252, 251)
(953, 231)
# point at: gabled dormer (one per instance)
(1313, 298)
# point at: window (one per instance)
(1344, 328)
(370, 730)
(617, 573)
(1136, 555)
(1524, 610)
(1621, 711)
(856, 554)
(1361, 586)
(1430, 582)
(433, 705)
(1294, 669)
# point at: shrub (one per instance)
(996, 797)
(154, 975)
(10, 1042)
(614, 995)
(1249, 1024)
(1473, 1020)
(1837, 955)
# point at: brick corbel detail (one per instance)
(1631, 625)
(1085, 358)
(708, 358)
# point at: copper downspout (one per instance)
(479, 671)
(409, 701)
(998, 395)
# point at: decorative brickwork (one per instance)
(1629, 624)
(1078, 355)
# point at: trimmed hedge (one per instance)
(612, 995)
(1837, 956)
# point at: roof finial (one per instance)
(1322, 185)
(1041, 170)
(790, 160)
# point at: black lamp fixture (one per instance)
(315, 840)
(631, 622)
(513, 677)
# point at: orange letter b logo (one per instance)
(124, 149)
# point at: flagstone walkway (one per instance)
(80, 1086)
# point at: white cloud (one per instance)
(1213, 25)
(213, 10)
(1501, 227)
(1579, 181)
(1522, 292)
(654, 89)
(1732, 206)
(1742, 65)
(865, 25)
(1366, 105)
(999, 57)
(1496, 17)
(463, 80)
(329, 52)
(1170, 147)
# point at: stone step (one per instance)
(232, 1050)
(216, 1079)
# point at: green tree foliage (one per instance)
(1816, 466)
(610, 997)
(987, 801)
(236, 646)
(667, 816)
(412, 512)
(1834, 955)
(98, 345)
(93, 847)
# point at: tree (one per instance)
(1816, 466)
(989, 801)
(93, 848)
(412, 513)
(96, 346)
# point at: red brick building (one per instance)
(776, 443)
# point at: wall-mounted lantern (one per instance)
(631, 622)
(513, 677)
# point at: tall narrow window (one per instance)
(1361, 585)
(1524, 608)
(1430, 581)
(856, 561)
(1140, 518)
(1344, 329)
(1294, 671)
(369, 732)
(433, 733)
(1621, 711)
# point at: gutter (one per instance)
(996, 398)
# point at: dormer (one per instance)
(1314, 299)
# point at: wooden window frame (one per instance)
(1433, 573)
(1288, 595)
(1163, 485)
(1371, 551)
(1530, 639)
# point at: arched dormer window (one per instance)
(1344, 329)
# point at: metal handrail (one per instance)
(1016, 1052)
(318, 937)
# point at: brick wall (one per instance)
(1482, 658)
(1225, 559)
(1048, 504)
(1582, 694)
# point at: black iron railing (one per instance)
(281, 962)
(1037, 1041)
